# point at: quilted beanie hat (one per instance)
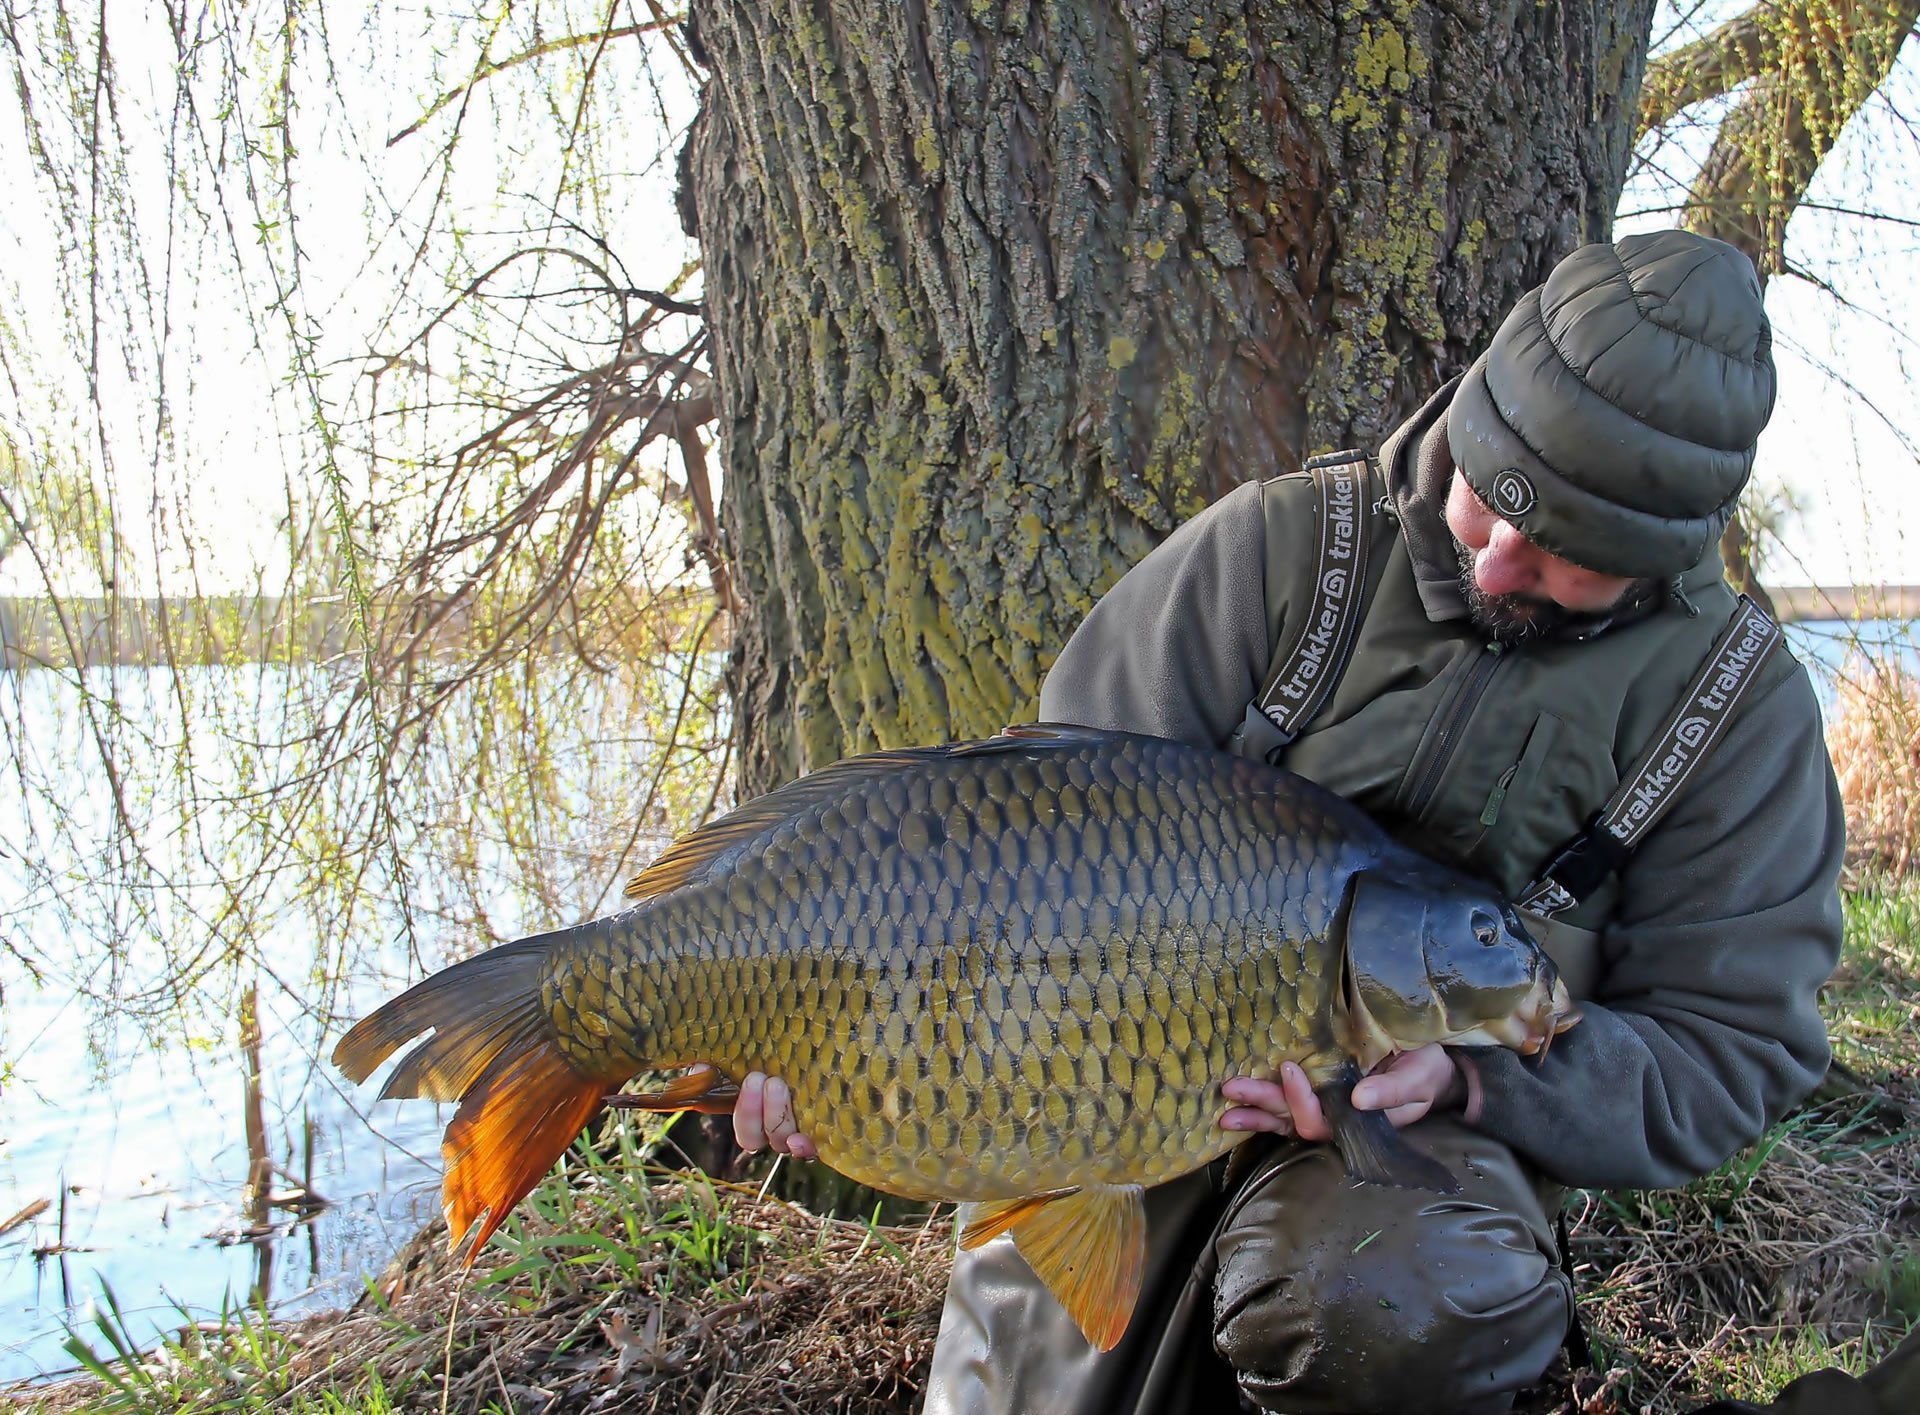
(1614, 418)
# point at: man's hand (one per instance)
(1406, 1086)
(763, 1116)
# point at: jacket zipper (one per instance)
(1490, 813)
(1427, 773)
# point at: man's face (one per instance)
(1515, 591)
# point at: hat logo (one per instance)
(1513, 494)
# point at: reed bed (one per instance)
(1873, 735)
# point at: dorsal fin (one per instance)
(683, 859)
(692, 852)
(1035, 736)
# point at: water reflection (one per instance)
(160, 1184)
(177, 1148)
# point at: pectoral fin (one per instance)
(1088, 1245)
(1374, 1151)
(982, 1223)
(703, 1089)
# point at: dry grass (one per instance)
(1799, 1253)
(1873, 734)
(1802, 1251)
(627, 1288)
(798, 1313)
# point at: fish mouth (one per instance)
(1544, 1013)
(1553, 1012)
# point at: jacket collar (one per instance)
(1417, 475)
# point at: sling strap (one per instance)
(1304, 675)
(1648, 792)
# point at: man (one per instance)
(1541, 594)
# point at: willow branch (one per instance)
(1715, 64)
(539, 51)
(1825, 59)
(1829, 59)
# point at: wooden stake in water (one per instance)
(254, 1198)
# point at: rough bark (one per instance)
(999, 293)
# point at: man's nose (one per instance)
(1508, 564)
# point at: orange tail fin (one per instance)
(493, 1050)
(509, 1130)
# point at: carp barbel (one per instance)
(1010, 973)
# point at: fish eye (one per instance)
(1486, 928)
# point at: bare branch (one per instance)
(666, 302)
(539, 51)
(692, 414)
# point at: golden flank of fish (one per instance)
(1013, 973)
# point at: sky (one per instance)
(1841, 442)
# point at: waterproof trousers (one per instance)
(1302, 1291)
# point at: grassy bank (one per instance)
(1803, 1250)
(624, 1286)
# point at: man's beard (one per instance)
(1511, 620)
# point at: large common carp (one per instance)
(1012, 972)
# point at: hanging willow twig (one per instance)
(491, 495)
(1808, 67)
(485, 71)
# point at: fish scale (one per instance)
(894, 1103)
(1013, 973)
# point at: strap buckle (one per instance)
(1546, 896)
(1576, 870)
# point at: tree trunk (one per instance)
(1000, 293)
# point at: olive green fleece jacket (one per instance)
(1704, 1026)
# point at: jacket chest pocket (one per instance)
(1540, 799)
(1520, 783)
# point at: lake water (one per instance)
(140, 1139)
(132, 1129)
(144, 1148)
(1825, 647)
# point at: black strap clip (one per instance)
(1579, 868)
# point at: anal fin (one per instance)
(1374, 1151)
(1088, 1245)
(703, 1089)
